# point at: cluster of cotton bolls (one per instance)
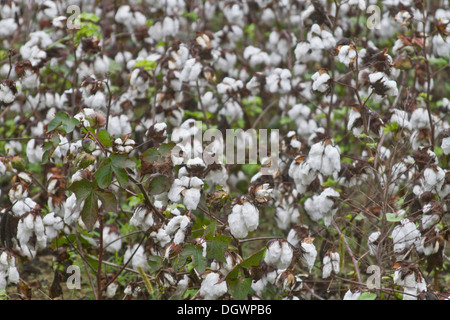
(363, 132)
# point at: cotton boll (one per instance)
(142, 217)
(325, 157)
(177, 227)
(273, 253)
(7, 27)
(320, 81)
(139, 258)
(111, 240)
(237, 225)
(349, 295)
(405, 235)
(373, 237)
(309, 254)
(210, 289)
(20, 207)
(52, 224)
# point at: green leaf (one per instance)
(89, 214)
(62, 119)
(239, 289)
(196, 253)
(104, 176)
(104, 137)
(108, 200)
(148, 65)
(392, 217)
(155, 263)
(89, 16)
(367, 296)
(216, 248)
(254, 259)
(159, 184)
(82, 189)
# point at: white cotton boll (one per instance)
(23, 206)
(309, 255)
(327, 268)
(237, 225)
(6, 94)
(353, 117)
(286, 216)
(446, 145)
(72, 209)
(346, 55)
(373, 237)
(273, 253)
(302, 51)
(401, 118)
(139, 258)
(419, 119)
(210, 289)
(433, 179)
(349, 295)
(111, 290)
(142, 218)
(111, 240)
(7, 27)
(405, 235)
(320, 82)
(2, 169)
(191, 70)
(101, 65)
(286, 256)
(250, 214)
(52, 224)
(441, 46)
(13, 275)
(30, 80)
(325, 158)
(191, 198)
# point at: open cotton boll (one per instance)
(320, 81)
(279, 254)
(191, 70)
(405, 235)
(53, 224)
(325, 157)
(177, 227)
(373, 237)
(111, 240)
(139, 258)
(72, 209)
(285, 216)
(243, 218)
(20, 207)
(349, 295)
(347, 54)
(330, 264)
(142, 217)
(309, 254)
(210, 289)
